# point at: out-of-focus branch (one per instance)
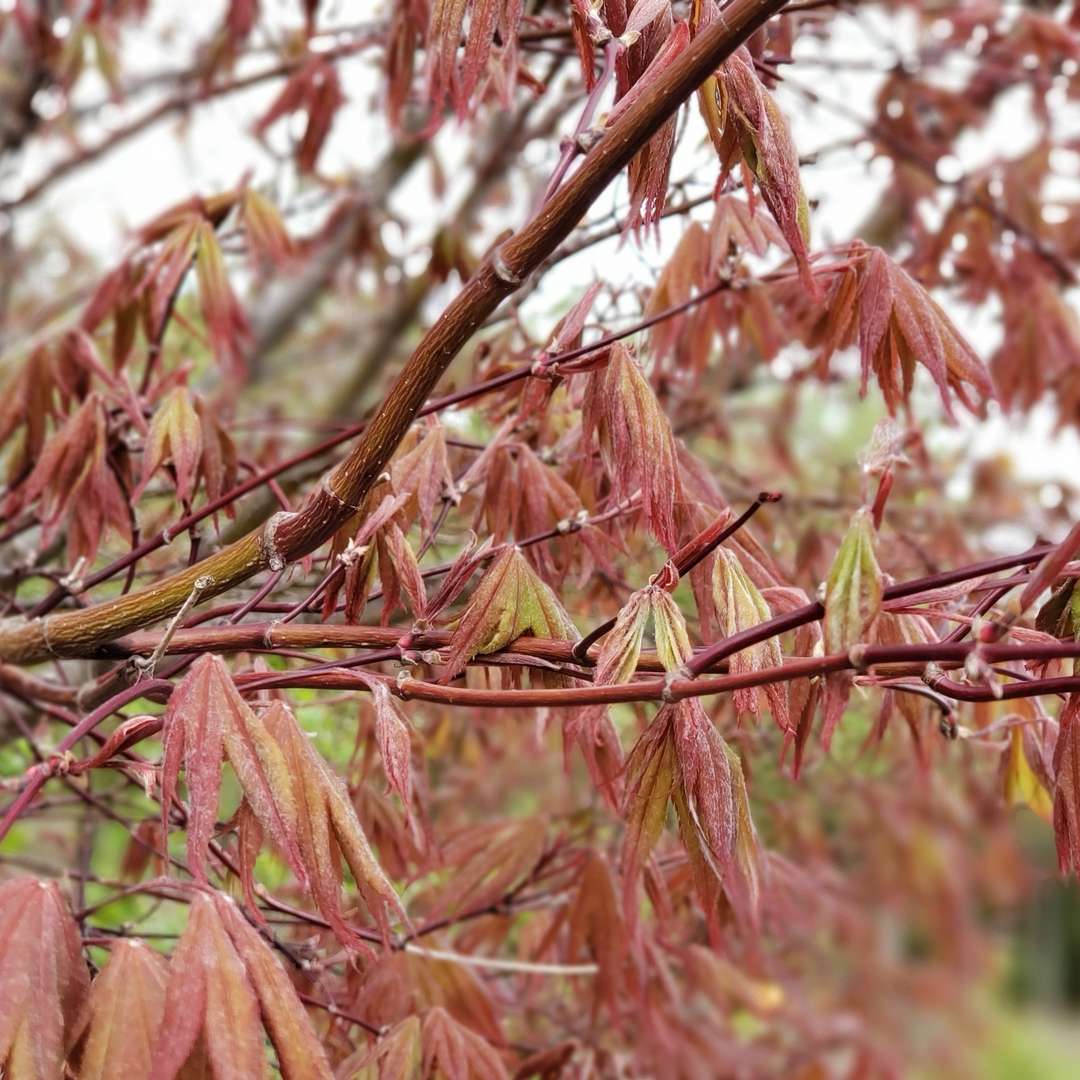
(286, 301)
(181, 101)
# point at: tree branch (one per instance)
(286, 537)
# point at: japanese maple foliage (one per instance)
(498, 577)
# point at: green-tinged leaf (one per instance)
(740, 606)
(226, 323)
(854, 588)
(264, 775)
(744, 121)
(590, 727)
(669, 630)
(176, 435)
(267, 237)
(510, 600)
(621, 646)
(747, 850)
(207, 718)
(650, 772)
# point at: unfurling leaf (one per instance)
(714, 812)
(591, 727)
(352, 548)
(423, 474)
(650, 780)
(393, 733)
(703, 795)
(621, 647)
(853, 596)
(747, 850)
(74, 483)
(194, 723)
(315, 89)
(471, 557)
(740, 606)
(123, 1014)
(735, 226)
(656, 47)
(509, 601)
(638, 449)
(1067, 787)
(176, 434)
(399, 573)
(854, 589)
(178, 233)
(226, 323)
(542, 499)
(669, 627)
(43, 979)
(268, 239)
(567, 333)
(460, 82)
(641, 14)
(682, 757)
(225, 988)
(745, 123)
(898, 324)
